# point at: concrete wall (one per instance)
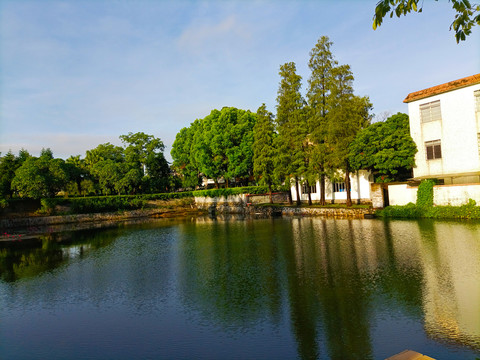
(455, 195)
(402, 194)
(457, 132)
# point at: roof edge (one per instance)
(443, 88)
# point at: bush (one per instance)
(412, 211)
(167, 196)
(409, 211)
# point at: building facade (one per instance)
(445, 125)
(335, 191)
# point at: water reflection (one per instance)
(329, 289)
(49, 251)
(333, 276)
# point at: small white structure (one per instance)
(335, 191)
(445, 125)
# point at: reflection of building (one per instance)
(445, 125)
(451, 299)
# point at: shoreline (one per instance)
(28, 227)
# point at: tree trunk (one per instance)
(216, 183)
(347, 187)
(322, 189)
(309, 193)
(270, 193)
(299, 202)
(227, 182)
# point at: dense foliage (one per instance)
(425, 194)
(385, 148)
(217, 147)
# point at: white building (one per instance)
(335, 191)
(445, 125)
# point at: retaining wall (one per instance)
(455, 195)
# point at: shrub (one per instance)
(231, 191)
(467, 211)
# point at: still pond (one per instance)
(284, 288)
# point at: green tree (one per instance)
(158, 177)
(106, 164)
(184, 163)
(348, 115)
(467, 14)
(218, 146)
(40, 177)
(291, 126)
(76, 172)
(386, 149)
(8, 166)
(145, 162)
(263, 149)
(320, 83)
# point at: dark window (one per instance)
(338, 186)
(434, 149)
(313, 189)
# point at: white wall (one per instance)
(456, 195)
(457, 131)
(402, 194)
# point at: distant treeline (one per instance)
(139, 167)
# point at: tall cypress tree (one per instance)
(263, 149)
(291, 126)
(347, 116)
(321, 64)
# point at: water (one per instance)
(302, 288)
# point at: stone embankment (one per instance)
(40, 221)
(247, 204)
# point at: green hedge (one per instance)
(467, 211)
(93, 204)
(231, 191)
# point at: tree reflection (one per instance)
(49, 251)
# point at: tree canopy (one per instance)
(218, 147)
(385, 148)
(467, 14)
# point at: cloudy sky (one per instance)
(74, 74)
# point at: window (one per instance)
(313, 188)
(434, 149)
(430, 112)
(338, 187)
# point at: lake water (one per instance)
(285, 288)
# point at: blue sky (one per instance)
(75, 74)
